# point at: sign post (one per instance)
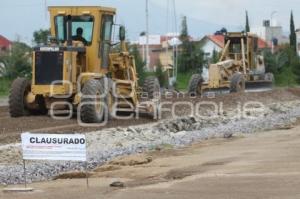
(24, 167)
(87, 174)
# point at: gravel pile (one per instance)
(107, 144)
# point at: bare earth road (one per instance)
(11, 128)
(264, 165)
(3, 101)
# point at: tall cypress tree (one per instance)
(190, 55)
(139, 63)
(184, 36)
(184, 56)
(293, 39)
(247, 28)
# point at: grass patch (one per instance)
(4, 87)
(183, 81)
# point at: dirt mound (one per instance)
(106, 168)
(132, 160)
(73, 175)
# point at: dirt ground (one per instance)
(262, 165)
(3, 101)
(11, 128)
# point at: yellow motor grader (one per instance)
(240, 66)
(77, 70)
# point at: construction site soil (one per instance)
(11, 128)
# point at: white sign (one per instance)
(53, 147)
(153, 40)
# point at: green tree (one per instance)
(196, 58)
(247, 28)
(215, 56)
(17, 62)
(184, 36)
(284, 64)
(293, 39)
(139, 63)
(185, 48)
(295, 65)
(270, 61)
(41, 36)
(278, 61)
(191, 57)
(161, 75)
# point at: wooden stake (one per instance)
(24, 167)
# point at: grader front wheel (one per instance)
(237, 83)
(17, 98)
(18, 102)
(194, 88)
(151, 87)
(94, 103)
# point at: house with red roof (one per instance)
(211, 43)
(5, 44)
(158, 44)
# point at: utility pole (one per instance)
(175, 50)
(167, 29)
(46, 9)
(271, 27)
(147, 37)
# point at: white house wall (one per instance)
(209, 47)
(298, 42)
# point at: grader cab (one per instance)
(77, 71)
(240, 66)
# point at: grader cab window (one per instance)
(236, 48)
(85, 22)
(107, 23)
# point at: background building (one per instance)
(211, 43)
(271, 33)
(298, 40)
(5, 44)
(160, 49)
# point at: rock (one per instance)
(285, 127)
(228, 135)
(117, 184)
(119, 129)
(130, 129)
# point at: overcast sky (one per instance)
(20, 17)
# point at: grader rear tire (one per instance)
(17, 105)
(237, 83)
(94, 101)
(194, 88)
(151, 87)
